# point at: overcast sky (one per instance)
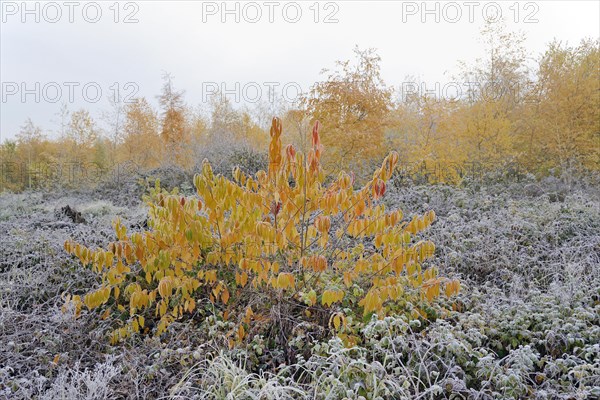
(51, 51)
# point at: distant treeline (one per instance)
(537, 119)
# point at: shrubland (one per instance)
(460, 259)
(524, 323)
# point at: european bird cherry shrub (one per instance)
(278, 246)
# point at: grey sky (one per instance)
(190, 40)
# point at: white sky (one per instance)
(200, 50)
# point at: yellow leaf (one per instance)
(378, 241)
(241, 333)
(225, 296)
(326, 298)
(192, 305)
(337, 321)
(347, 279)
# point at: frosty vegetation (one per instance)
(527, 324)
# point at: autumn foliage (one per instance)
(507, 114)
(329, 254)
